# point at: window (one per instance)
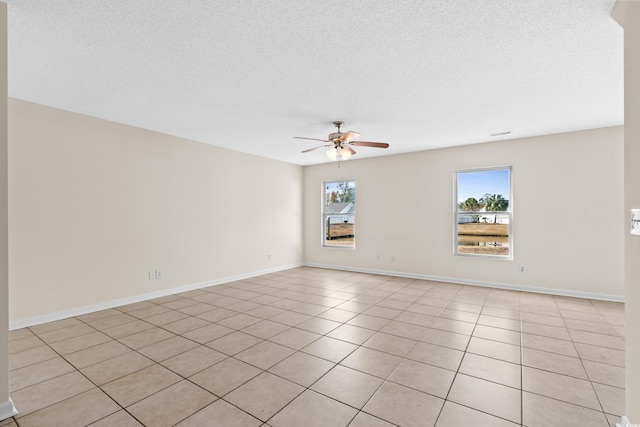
(339, 213)
(483, 215)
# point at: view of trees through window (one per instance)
(483, 212)
(339, 210)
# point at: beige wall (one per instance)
(567, 199)
(95, 205)
(628, 14)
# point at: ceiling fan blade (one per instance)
(350, 149)
(348, 136)
(311, 139)
(370, 144)
(315, 148)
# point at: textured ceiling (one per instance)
(250, 75)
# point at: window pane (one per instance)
(339, 194)
(487, 236)
(483, 212)
(339, 213)
(476, 187)
(339, 230)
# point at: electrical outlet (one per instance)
(158, 274)
(393, 259)
(378, 258)
(269, 258)
(152, 275)
(521, 269)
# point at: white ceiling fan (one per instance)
(341, 143)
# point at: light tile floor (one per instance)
(318, 347)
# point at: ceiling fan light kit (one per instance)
(341, 143)
(335, 154)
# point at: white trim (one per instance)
(509, 286)
(50, 317)
(37, 320)
(7, 410)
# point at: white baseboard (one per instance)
(508, 286)
(7, 410)
(50, 317)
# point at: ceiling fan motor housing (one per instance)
(335, 135)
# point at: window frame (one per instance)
(508, 212)
(325, 243)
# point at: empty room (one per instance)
(320, 213)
